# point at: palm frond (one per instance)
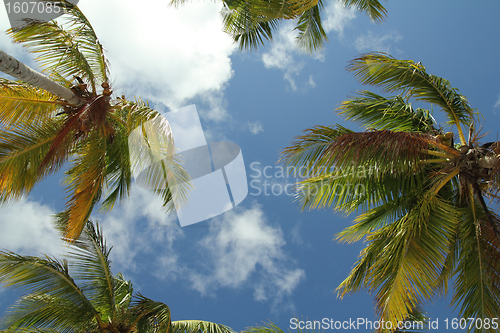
(198, 326)
(42, 276)
(85, 180)
(48, 312)
(403, 260)
(405, 75)
(311, 36)
(246, 29)
(21, 152)
(477, 281)
(395, 114)
(307, 154)
(150, 316)
(373, 8)
(91, 266)
(66, 51)
(23, 103)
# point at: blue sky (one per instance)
(264, 260)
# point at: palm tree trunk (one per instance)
(13, 67)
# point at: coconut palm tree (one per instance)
(70, 114)
(422, 192)
(80, 294)
(251, 22)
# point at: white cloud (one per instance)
(156, 232)
(27, 229)
(497, 104)
(246, 250)
(255, 127)
(336, 17)
(283, 51)
(240, 250)
(161, 53)
(311, 82)
(371, 42)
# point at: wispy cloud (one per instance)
(255, 127)
(241, 250)
(245, 250)
(372, 42)
(497, 104)
(161, 53)
(284, 54)
(27, 229)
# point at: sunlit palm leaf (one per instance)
(311, 36)
(151, 316)
(373, 8)
(374, 111)
(23, 103)
(21, 154)
(50, 312)
(85, 180)
(392, 75)
(198, 326)
(91, 266)
(66, 51)
(43, 276)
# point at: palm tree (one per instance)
(425, 217)
(80, 294)
(47, 120)
(251, 22)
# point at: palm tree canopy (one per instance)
(422, 195)
(251, 22)
(80, 294)
(40, 131)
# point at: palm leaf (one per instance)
(395, 114)
(91, 266)
(42, 276)
(48, 312)
(311, 36)
(23, 103)
(392, 75)
(85, 180)
(198, 326)
(21, 153)
(66, 51)
(373, 8)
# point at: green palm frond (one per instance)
(21, 153)
(252, 22)
(91, 266)
(403, 259)
(84, 182)
(150, 316)
(198, 326)
(311, 36)
(246, 29)
(68, 50)
(395, 114)
(405, 75)
(49, 312)
(373, 8)
(477, 282)
(308, 151)
(43, 276)
(23, 103)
